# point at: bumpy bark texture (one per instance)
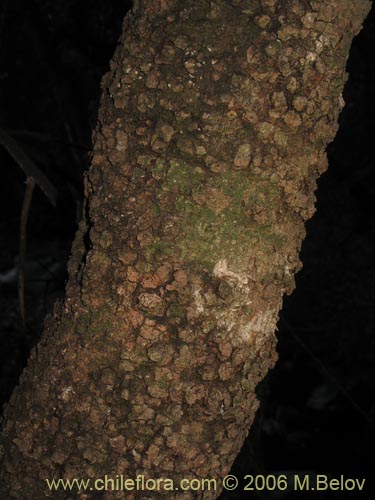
(212, 131)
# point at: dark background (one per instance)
(317, 406)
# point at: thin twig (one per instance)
(30, 184)
(325, 370)
(28, 166)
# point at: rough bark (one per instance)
(211, 134)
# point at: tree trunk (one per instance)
(211, 133)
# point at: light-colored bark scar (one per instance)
(262, 324)
(250, 331)
(222, 272)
